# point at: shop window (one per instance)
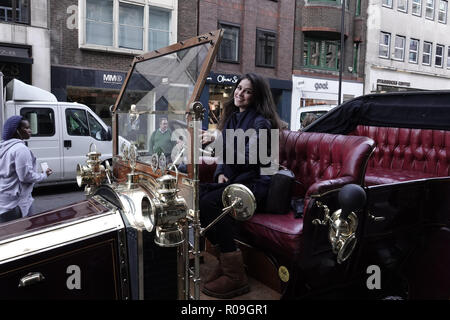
(17, 11)
(439, 56)
(385, 43)
(442, 16)
(426, 56)
(413, 50)
(229, 47)
(416, 8)
(321, 54)
(42, 121)
(76, 122)
(131, 26)
(218, 96)
(429, 9)
(265, 48)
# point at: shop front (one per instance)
(219, 89)
(98, 89)
(382, 80)
(309, 91)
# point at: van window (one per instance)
(95, 127)
(76, 122)
(42, 121)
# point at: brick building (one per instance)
(25, 42)
(258, 38)
(317, 53)
(93, 43)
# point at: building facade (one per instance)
(317, 53)
(93, 43)
(258, 37)
(408, 45)
(25, 42)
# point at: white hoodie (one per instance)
(17, 175)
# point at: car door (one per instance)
(76, 140)
(45, 133)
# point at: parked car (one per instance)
(61, 132)
(309, 114)
(370, 215)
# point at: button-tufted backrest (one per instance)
(419, 150)
(315, 157)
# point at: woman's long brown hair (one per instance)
(262, 101)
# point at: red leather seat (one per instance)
(403, 154)
(321, 162)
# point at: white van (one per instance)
(306, 115)
(61, 132)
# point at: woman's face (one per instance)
(24, 130)
(243, 95)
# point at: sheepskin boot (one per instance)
(216, 271)
(233, 282)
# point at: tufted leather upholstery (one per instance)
(403, 154)
(321, 162)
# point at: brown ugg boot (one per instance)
(216, 270)
(233, 282)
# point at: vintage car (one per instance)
(368, 215)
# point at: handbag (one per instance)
(280, 191)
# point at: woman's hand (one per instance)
(222, 178)
(48, 171)
(206, 137)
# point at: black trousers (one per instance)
(10, 215)
(224, 231)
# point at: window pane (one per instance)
(331, 52)
(384, 45)
(42, 121)
(429, 9)
(22, 10)
(399, 47)
(131, 20)
(76, 122)
(443, 11)
(417, 7)
(95, 127)
(315, 53)
(99, 22)
(229, 46)
(159, 29)
(265, 48)
(413, 50)
(448, 57)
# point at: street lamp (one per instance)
(341, 64)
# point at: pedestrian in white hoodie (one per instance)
(18, 172)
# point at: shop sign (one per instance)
(321, 85)
(109, 78)
(223, 78)
(14, 52)
(393, 82)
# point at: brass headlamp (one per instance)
(343, 223)
(93, 173)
